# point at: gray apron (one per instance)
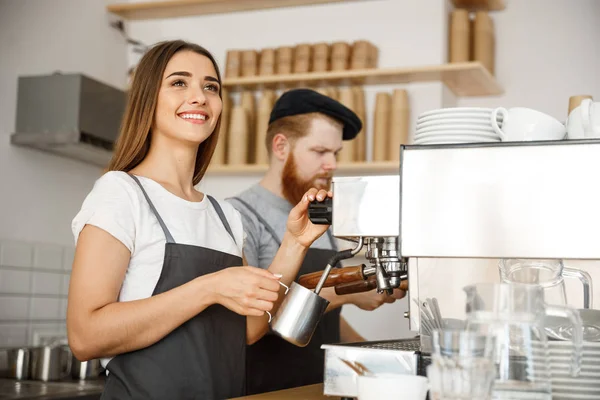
(274, 364)
(204, 358)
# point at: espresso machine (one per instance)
(475, 202)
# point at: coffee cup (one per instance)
(526, 124)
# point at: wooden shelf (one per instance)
(184, 8)
(489, 5)
(362, 168)
(464, 79)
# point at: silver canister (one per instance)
(50, 363)
(14, 363)
(85, 370)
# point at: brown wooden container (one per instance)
(364, 55)
(249, 63)
(248, 102)
(220, 154)
(348, 151)
(266, 64)
(340, 56)
(233, 64)
(381, 126)
(360, 110)
(284, 57)
(459, 36)
(302, 59)
(321, 56)
(483, 40)
(399, 123)
(265, 105)
(237, 144)
(575, 101)
(374, 56)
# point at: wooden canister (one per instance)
(321, 55)
(249, 63)
(360, 55)
(220, 154)
(399, 123)
(284, 57)
(248, 102)
(381, 126)
(265, 105)
(373, 60)
(340, 56)
(575, 101)
(348, 150)
(360, 153)
(460, 35)
(233, 64)
(483, 40)
(237, 143)
(302, 58)
(266, 64)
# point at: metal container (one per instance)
(299, 314)
(84, 370)
(14, 363)
(50, 363)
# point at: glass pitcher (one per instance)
(549, 274)
(514, 313)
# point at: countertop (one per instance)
(311, 392)
(11, 389)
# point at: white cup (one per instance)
(526, 124)
(584, 121)
(392, 387)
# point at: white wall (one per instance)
(41, 193)
(546, 52)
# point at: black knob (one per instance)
(321, 212)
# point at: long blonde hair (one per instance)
(133, 143)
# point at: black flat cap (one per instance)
(304, 101)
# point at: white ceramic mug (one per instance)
(392, 387)
(584, 120)
(526, 124)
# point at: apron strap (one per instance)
(271, 230)
(219, 211)
(168, 235)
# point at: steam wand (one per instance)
(342, 255)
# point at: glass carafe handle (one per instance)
(586, 281)
(576, 334)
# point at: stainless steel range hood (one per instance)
(70, 115)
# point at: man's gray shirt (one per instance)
(260, 247)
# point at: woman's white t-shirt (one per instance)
(117, 205)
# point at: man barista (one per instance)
(304, 136)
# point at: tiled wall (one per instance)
(34, 283)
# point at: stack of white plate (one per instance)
(456, 125)
(566, 387)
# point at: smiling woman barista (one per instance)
(157, 289)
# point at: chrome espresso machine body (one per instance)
(463, 201)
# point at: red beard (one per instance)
(294, 187)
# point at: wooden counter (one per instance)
(312, 392)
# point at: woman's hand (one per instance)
(246, 291)
(298, 224)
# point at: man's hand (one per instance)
(298, 223)
(372, 300)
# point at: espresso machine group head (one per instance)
(365, 210)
